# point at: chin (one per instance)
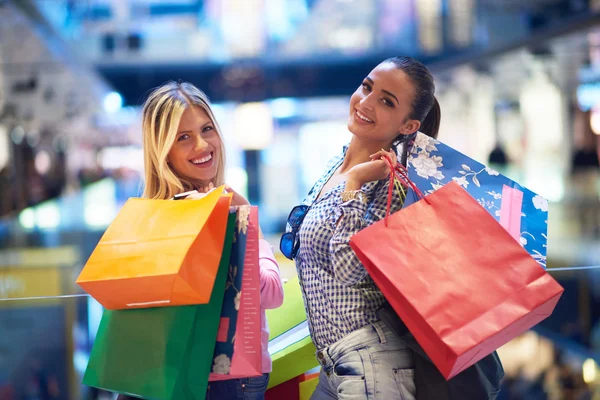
(205, 176)
(358, 130)
(352, 126)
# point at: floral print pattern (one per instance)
(233, 292)
(242, 219)
(221, 364)
(432, 164)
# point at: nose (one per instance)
(200, 144)
(367, 102)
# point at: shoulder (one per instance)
(335, 161)
(331, 165)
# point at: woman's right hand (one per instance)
(201, 192)
(195, 196)
(237, 200)
(369, 171)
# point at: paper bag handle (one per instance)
(400, 173)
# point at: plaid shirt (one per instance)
(339, 295)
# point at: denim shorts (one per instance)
(369, 363)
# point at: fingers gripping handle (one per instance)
(399, 172)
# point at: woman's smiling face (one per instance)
(196, 150)
(381, 106)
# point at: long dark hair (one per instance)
(425, 106)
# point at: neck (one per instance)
(198, 185)
(360, 150)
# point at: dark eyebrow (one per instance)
(391, 95)
(202, 127)
(384, 91)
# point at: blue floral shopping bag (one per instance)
(432, 164)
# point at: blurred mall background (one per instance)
(518, 82)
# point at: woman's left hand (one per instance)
(373, 170)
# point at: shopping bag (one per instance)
(290, 345)
(238, 352)
(432, 164)
(298, 388)
(160, 353)
(308, 384)
(481, 380)
(158, 253)
(461, 284)
(288, 390)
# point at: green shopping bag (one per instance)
(290, 345)
(160, 353)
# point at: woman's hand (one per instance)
(373, 170)
(195, 196)
(201, 192)
(238, 199)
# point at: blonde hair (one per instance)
(161, 116)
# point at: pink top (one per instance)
(271, 295)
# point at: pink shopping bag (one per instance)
(246, 336)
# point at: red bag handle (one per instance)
(390, 189)
(402, 173)
(399, 172)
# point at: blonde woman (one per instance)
(184, 151)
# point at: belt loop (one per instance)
(379, 331)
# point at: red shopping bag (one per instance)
(299, 388)
(289, 390)
(462, 285)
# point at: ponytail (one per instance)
(431, 123)
(424, 98)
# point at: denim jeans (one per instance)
(238, 389)
(369, 363)
(234, 389)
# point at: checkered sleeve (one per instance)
(349, 218)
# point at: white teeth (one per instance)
(202, 160)
(363, 117)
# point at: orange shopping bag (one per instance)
(159, 253)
